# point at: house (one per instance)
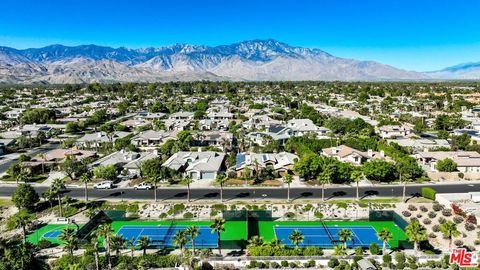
(152, 138)
(303, 127)
(219, 139)
(353, 156)
(134, 123)
(213, 124)
(129, 161)
(394, 131)
(467, 161)
(98, 138)
(181, 116)
(260, 122)
(14, 113)
(281, 162)
(149, 116)
(420, 144)
(197, 165)
(365, 264)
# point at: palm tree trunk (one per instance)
(219, 243)
(144, 251)
(323, 192)
(404, 190)
(188, 192)
(97, 264)
(86, 192)
(24, 234)
(384, 247)
(193, 246)
(415, 247)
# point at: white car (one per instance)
(104, 185)
(144, 186)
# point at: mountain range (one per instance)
(253, 60)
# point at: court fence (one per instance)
(390, 215)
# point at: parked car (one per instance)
(144, 186)
(104, 185)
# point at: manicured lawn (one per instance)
(266, 228)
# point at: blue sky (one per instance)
(412, 34)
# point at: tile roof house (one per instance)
(153, 138)
(219, 139)
(127, 160)
(353, 156)
(467, 161)
(98, 138)
(420, 144)
(197, 165)
(281, 162)
(394, 131)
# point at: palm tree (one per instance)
(193, 231)
(218, 226)
(276, 244)
(181, 240)
(131, 244)
(85, 179)
(324, 178)
(356, 176)
(255, 241)
(416, 233)
(69, 238)
(188, 180)
(155, 179)
(23, 176)
(22, 220)
(106, 231)
(385, 235)
(221, 179)
(117, 244)
(339, 250)
(345, 235)
(449, 230)
(288, 179)
(57, 186)
(143, 243)
(296, 238)
(404, 178)
(43, 156)
(96, 243)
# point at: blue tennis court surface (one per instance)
(52, 234)
(162, 235)
(362, 236)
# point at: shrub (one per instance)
(275, 265)
(477, 242)
(461, 175)
(442, 220)
(428, 193)
(44, 243)
(427, 221)
(253, 264)
(436, 228)
(358, 251)
(458, 243)
(310, 263)
(188, 215)
(333, 262)
(472, 219)
(437, 207)
(261, 265)
(419, 215)
(446, 212)
(374, 249)
(292, 265)
(312, 251)
(284, 263)
(412, 207)
(423, 208)
(457, 210)
(318, 214)
(457, 219)
(432, 235)
(387, 259)
(406, 213)
(290, 215)
(469, 226)
(446, 165)
(432, 214)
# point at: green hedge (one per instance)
(429, 193)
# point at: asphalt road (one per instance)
(258, 194)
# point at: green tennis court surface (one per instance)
(49, 232)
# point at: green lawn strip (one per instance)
(268, 233)
(38, 234)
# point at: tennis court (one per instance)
(52, 234)
(327, 236)
(162, 235)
